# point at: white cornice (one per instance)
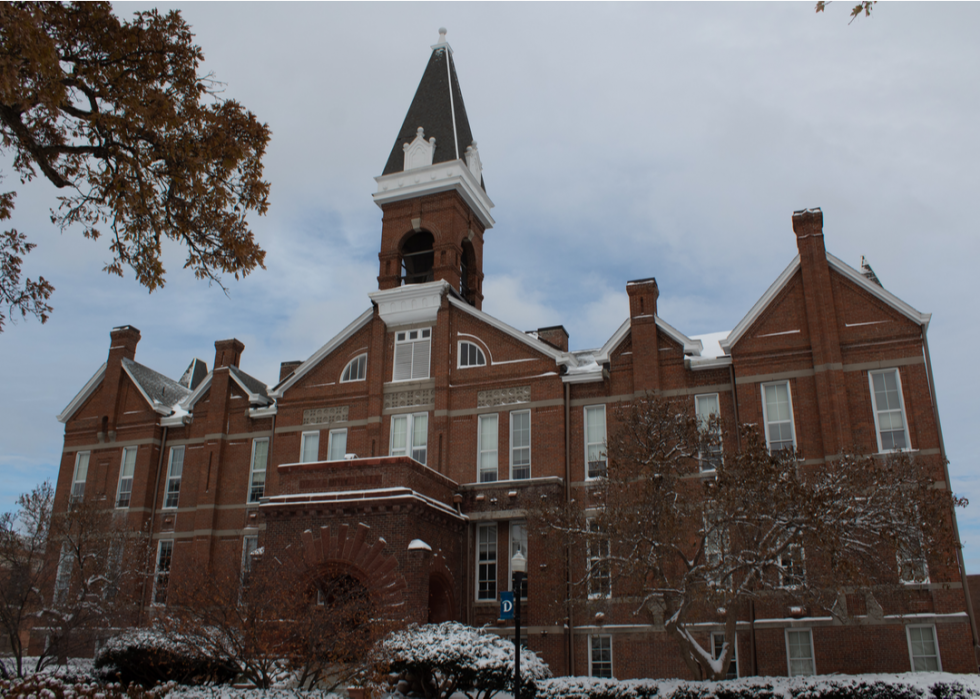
(189, 402)
(602, 356)
(82, 395)
(879, 292)
(760, 306)
(692, 347)
(409, 304)
(441, 177)
(157, 406)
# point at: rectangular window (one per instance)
(799, 652)
(923, 649)
(595, 441)
(126, 470)
(174, 471)
(886, 394)
(707, 409)
(161, 579)
(777, 407)
(600, 656)
(309, 448)
(912, 564)
(520, 444)
(337, 445)
(412, 354)
(81, 473)
(260, 457)
(249, 544)
(409, 436)
(63, 576)
(487, 449)
(486, 564)
(597, 548)
(518, 542)
(717, 641)
(792, 567)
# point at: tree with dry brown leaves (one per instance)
(686, 537)
(116, 115)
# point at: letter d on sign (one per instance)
(506, 605)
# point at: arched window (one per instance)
(471, 355)
(355, 369)
(417, 258)
(468, 273)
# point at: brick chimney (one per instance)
(287, 368)
(554, 335)
(123, 342)
(643, 295)
(227, 353)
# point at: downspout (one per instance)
(569, 650)
(949, 485)
(738, 425)
(153, 513)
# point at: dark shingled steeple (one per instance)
(433, 109)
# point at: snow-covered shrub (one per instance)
(439, 659)
(596, 688)
(148, 657)
(952, 690)
(52, 687)
(850, 689)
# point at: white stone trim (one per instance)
(453, 175)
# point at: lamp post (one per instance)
(518, 564)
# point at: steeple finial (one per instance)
(442, 43)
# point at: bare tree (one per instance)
(686, 534)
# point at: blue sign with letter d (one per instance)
(506, 605)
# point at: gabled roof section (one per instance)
(317, 356)
(194, 375)
(838, 266)
(438, 109)
(161, 393)
(561, 358)
(87, 390)
(258, 393)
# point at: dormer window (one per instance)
(355, 370)
(471, 355)
(412, 354)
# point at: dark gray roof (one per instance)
(869, 273)
(432, 110)
(157, 387)
(194, 375)
(250, 382)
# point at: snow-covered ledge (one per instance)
(412, 303)
(441, 177)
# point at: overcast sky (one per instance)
(619, 141)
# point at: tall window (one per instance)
(597, 547)
(174, 471)
(355, 370)
(410, 435)
(62, 578)
(886, 393)
(260, 456)
(912, 564)
(81, 473)
(777, 406)
(707, 410)
(595, 441)
(600, 656)
(799, 652)
(518, 542)
(487, 448)
(923, 649)
(126, 470)
(471, 355)
(717, 643)
(412, 354)
(792, 567)
(520, 444)
(161, 580)
(249, 545)
(486, 564)
(309, 448)
(337, 445)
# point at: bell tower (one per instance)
(431, 192)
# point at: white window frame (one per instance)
(908, 562)
(82, 460)
(172, 479)
(123, 478)
(306, 444)
(935, 643)
(514, 448)
(765, 410)
(161, 575)
(484, 473)
(784, 577)
(716, 652)
(707, 463)
(415, 364)
(789, 660)
(356, 369)
(462, 355)
(518, 542)
(606, 639)
(594, 448)
(333, 438)
(252, 470)
(409, 448)
(901, 408)
(489, 593)
(597, 552)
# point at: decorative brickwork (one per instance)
(325, 416)
(503, 396)
(411, 398)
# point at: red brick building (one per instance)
(409, 447)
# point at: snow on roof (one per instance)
(161, 393)
(711, 344)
